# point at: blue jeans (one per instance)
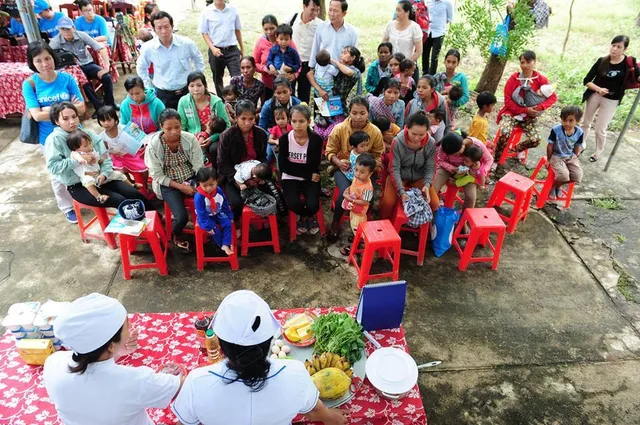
(271, 155)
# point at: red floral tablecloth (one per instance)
(166, 337)
(12, 74)
(19, 54)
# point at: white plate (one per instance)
(392, 370)
(306, 353)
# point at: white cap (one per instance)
(237, 315)
(89, 322)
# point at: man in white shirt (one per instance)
(440, 14)
(304, 27)
(173, 58)
(222, 31)
(335, 34)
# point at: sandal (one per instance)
(182, 245)
(593, 158)
(345, 251)
(102, 198)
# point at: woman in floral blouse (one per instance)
(249, 87)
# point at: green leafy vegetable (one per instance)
(338, 333)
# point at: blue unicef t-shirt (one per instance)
(64, 87)
(16, 28)
(49, 25)
(95, 29)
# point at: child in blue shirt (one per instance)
(359, 141)
(212, 209)
(565, 145)
(282, 57)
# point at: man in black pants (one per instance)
(440, 14)
(221, 29)
(304, 26)
(76, 42)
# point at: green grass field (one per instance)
(595, 23)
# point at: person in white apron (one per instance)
(248, 388)
(85, 384)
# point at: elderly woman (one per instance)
(244, 141)
(174, 157)
(64, 116)
(338, 151)
(43, 89)
(277, 390)
(86, 384)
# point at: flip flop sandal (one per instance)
(138, 185)
(102, 198)
(592, 158)
(345, 251)
(182, 245)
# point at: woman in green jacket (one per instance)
(64, 116)
(197, 110)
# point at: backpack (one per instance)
(422, 17)
(632, 79)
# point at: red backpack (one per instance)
(422, 17)
(632, 78)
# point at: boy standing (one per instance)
(565, 144)
(479, 127)
(359, 195)
(282, 57)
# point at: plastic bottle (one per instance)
(213, 347)
(202, 323)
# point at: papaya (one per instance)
(332, 383)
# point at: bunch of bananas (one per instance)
(327, 360)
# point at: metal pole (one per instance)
(623, 131)
(29, 20)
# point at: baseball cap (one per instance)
(89, 322)
(65, 22)
(243, 318)
(132, 209)
(40, 5)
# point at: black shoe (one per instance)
(332, 237)
(116, 106)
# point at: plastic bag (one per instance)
(499, 43)
(442, 229)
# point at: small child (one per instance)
(436, 124)
(212, 209)
(88, 168)
(389, 131)
(214, 128)
(359, 142)
(407, 83)
(324, 72)
(455, 94)
(141, 106)
(230, 94)
(359, 195)
(258, 174)
(379, 68)
(479, 127)
(116, 140)
(281, 116)
(530, 97)
(467, 173)
(565, 145)
(283, 59)
(394, 64)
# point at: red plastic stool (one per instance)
(514, 139)
(483, 222)
(293, 228)
(451, 195)
(154, 235)
(201, 238)
(522, 188)
(168, 217)
(378, 236)
(102, 217)
(546, 184)
(248, 217)
(399, 221)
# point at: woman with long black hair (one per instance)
(248, 387)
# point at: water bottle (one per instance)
(213, 347)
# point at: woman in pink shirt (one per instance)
(261, 53)
(466, 160)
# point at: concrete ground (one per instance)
(551, 337)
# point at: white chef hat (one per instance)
(89, 322)
(243, 318)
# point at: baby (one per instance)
(324, 72)
(88, 168)
(258, 174)
(531, 98)
(230, 95)
(437, 126)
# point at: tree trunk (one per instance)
(638, 20)
(566, 37)
(323, 10)
(491, 75)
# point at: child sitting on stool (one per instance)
(212, 209)
(88, 168)
(565, 145)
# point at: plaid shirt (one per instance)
(176, 164)
(342, 86)
(417, 209)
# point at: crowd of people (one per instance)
(264, 135)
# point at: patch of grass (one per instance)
(607, 203)
(620, 238)
(627, 285)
